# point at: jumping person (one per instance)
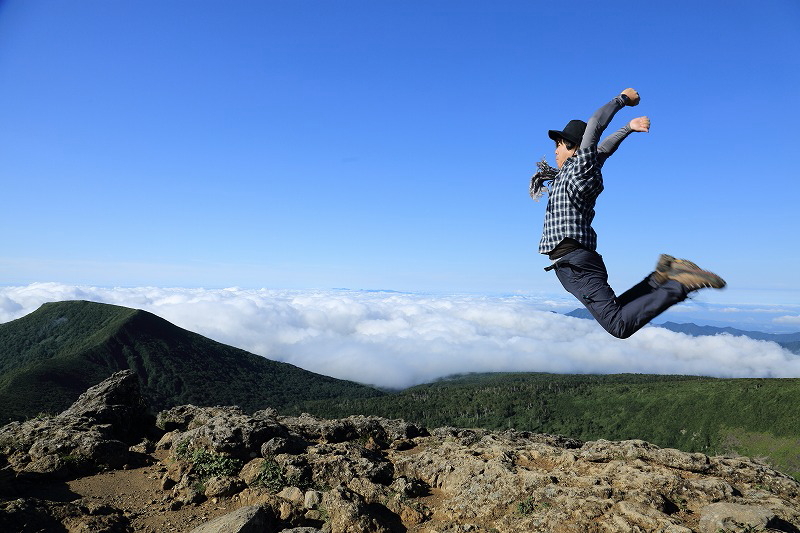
(570, 242)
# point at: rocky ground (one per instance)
(105, 465)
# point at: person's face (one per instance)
(562, 154)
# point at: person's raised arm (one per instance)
(612, 142)
(602, 117)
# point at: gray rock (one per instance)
(221, 486)
(186, 417)
(31, 514)
(117, 402)
(276, 445)
(95, 432)
(410, 488)
(348, 513)
(312, 499)
(251, 519)
(734, 517)
(230, 432)
(332, 464)
(293, 495)
(381, 430)
(603, 486)
(312, 428)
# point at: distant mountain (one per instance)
(790, 341)
(49, 357)
(581, 312)
(697, 331)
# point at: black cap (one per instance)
(573, 132)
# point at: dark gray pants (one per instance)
(583, 273)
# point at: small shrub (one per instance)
(72, 461)
(182, 449)
(271, 476)
(207, 464)
(529, 506)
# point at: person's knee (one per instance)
(622, 334)
(619, 330)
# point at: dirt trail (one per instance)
(137, 493)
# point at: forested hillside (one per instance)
(749, 416)
(50, 356)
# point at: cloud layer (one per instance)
(397, 340)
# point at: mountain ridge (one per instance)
(64, 347)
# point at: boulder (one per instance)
(116, 402)
(186, 417)
(348, 513)
(331, 464)
(251, 519)
(95, 432)
(380, 430)
(222, 486)
(229, 431)
(734, 517)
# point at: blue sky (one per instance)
(389, 144)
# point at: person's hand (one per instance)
(633, 96)
(640, 124)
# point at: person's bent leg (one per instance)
(583, 274)
(643, 288)
(639, 312)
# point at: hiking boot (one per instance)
(662, 267)
(685, 264)
(694, 278)
(666, 262)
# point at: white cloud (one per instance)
(396, 340)
(788, 319)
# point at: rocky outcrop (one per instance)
(94, 433)
(366, 474)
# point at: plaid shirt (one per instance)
(578, 183)
(570, 204)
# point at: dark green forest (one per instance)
(758, 417)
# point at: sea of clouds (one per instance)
(396, 340)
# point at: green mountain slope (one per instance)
(49, 357)
(756, 417)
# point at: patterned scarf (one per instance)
(545, 173)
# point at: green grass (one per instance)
(780, 452)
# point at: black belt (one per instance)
(553, 265)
